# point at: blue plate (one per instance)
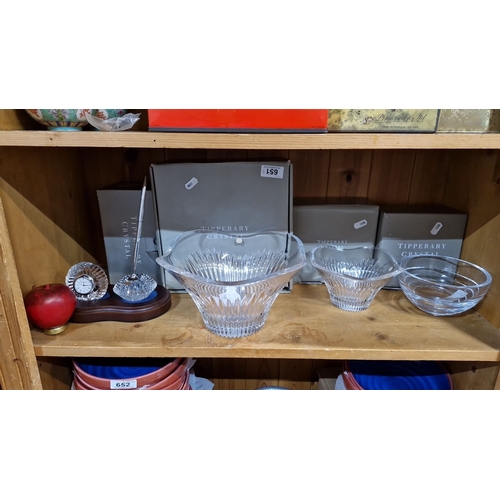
(118, 368)
(273, 388)
(400, 375)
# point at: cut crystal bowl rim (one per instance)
(162, 259)
(392, 274)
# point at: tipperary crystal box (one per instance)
(228, 197)
(420, 230)
(342, 224)
(382, 120)
(119, 208)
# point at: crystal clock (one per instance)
(88, 281)
(84, 284)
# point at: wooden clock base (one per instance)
(113, 308)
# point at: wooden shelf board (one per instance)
(301, 325)
(183, 140)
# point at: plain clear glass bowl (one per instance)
(441, 285)
(234, 279)
(353, 276)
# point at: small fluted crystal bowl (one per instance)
(234, 279)
(442, 285)
(353, 276)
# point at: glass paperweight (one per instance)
(353, 276)
(88, 281)
(135, 287)
(234, 279)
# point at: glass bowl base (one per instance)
(233, 329)
(352, 305)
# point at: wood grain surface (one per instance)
(300, 325)
(130, 139)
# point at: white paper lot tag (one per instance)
(123, 384)
(273, 171)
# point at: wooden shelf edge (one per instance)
(182, 140)
(300, 325)
(18, 364)
(235, 353)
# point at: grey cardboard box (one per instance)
(420, 230)
(119, 208)
(343, 224)
(234, 197)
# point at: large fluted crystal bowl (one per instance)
(353, 276)
(234, 279)
(441, 285)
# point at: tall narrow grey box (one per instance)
(119, 208)
(232, 197)
(342, 224)
(420, 230)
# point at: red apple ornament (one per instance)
(50, 306)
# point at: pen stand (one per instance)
(113, 308)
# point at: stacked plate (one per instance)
(273, 388)
(394, 375)
(131, 373)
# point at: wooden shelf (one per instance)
(42, 215)
(301, 325)
(182, 140)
